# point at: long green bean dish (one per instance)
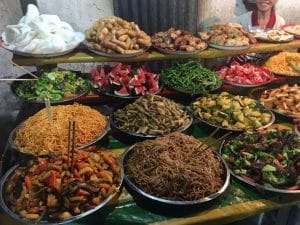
(190, 78)
(269, 157)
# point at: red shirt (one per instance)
(271, 23)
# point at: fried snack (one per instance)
(227, 34)
(38, 136)
(115, 35)
(177, 40)
(282, 63)
(285, 99)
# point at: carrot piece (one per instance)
(83, 192)
(293, 188)
(28, 182)
(247, 178)
(53, 180)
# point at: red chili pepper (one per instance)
(53, 180)
(41, 166)
(28, 182)
(83, 192)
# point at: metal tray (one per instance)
(114, 55)
(15, 216)
(257, 92)
(258, 187)
(167, 51)
(15, 148)
(70, 48)
(223, 47)
(15, 84)
(232, 129)
(101, 91)
(139, 135)
(290, 25)
(142, 194)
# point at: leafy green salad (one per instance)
(54, 85)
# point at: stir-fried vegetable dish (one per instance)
(191, 78)
(269, 157)
(234, 112)
(54, 85)
(49, 189)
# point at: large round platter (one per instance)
(114, 55)
(247, 85)
(259, 187)
(13, 135)
(262, 39)
(5, 207)
(79, 38)
(286, 29)
(174, 203)
(101, 91)
(166, 51)
(257, 92)
(139, 135)
(223, 47)
(233, 129)
(264, 36)
(15, 84)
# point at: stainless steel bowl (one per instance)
(5, 207)
(260, 188)
(173, 204)
(141, 136)
(12, 136)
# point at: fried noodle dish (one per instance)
(39, 136)
(175, 167)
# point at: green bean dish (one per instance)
(190, 78)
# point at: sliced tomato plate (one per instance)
(244, 75)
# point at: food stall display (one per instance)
(174, 159)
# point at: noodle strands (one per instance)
(167, 167)
(39, 137)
